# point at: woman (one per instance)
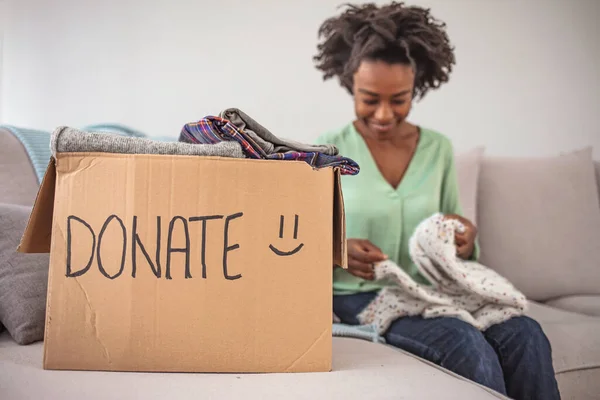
(386, 57)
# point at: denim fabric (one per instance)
(513, 358)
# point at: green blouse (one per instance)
(386, 216)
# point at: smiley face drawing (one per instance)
(291, 252)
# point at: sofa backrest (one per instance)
(539, 222)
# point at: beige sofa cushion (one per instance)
(575, 341)
(361, 370)
(539, 223)
(18, 182)
(574, 337)
(589, 305)
(467, 170)
(581, 384)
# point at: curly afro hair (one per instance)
(394, 33)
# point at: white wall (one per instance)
(526, 82)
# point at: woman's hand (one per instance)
(362, 254)
(465, 242)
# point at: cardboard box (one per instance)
(189, 264)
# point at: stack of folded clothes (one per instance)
(257, 142)
(230, 134)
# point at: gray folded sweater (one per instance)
(266, 140)
(65, 140)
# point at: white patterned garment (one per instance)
(462, 289)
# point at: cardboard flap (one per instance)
(37, 235)
(340, 253)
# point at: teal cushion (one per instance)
(37, 145)
(118, 129)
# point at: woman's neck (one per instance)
(404, 134)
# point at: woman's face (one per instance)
(383, 96)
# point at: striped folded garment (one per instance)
(257, 142)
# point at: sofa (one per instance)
(539, 226)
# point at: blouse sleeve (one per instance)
(450, 201)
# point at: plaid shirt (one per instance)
(211, 130)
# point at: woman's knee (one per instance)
(520, 333)
(452, 344)
(470, 344)
(444, 335)
(529, 328)
(474, 358)
(523, 329)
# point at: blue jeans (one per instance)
(513, 358)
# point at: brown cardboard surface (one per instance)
(240, 281)
(39, 227)
(340, 257)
